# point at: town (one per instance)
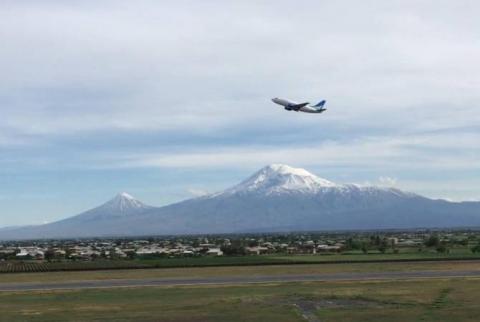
(313, 243)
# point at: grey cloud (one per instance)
(401, 80)
(370, 60)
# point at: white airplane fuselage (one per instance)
(299, 107)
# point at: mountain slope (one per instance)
(99, 221)
(280, 199)
(276, 198)
(122, 205)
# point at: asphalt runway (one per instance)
(113, 283)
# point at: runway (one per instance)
(233, 280)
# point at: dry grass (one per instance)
(413, 300)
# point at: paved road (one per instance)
(8, 287)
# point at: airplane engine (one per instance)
(288, 108)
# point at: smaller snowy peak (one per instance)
(124, 202)
(125, 195)
(279, 178)
(122, 205)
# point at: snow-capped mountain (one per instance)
(122, 205)
(99, 221)
(276, 198)
(278, 179)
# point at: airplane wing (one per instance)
(296, 107)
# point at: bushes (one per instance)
(442, 248)
(476, 249)
(234, 250)
(432, 241)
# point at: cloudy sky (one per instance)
(171, 99)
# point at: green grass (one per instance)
(306, 259)
(416, 300)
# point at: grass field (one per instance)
(461, 253)
(453, 299)
(413, 300)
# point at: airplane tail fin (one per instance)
(320, 104)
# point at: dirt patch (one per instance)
(308, 307)
(30, 312)
(97, 308)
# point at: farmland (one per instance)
(25, 266)
(255, 270)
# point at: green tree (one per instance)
(442, 248)
(49, 254)
(476, 248)
(233, 249)
(463, 242)
(392, 244)
(364, 248)
(130, 254)
(383, 245)
(252, 243)
(352, 244)
(432, 241)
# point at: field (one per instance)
(412, 300)
(406, 255)
(257, 270)
(436, 299)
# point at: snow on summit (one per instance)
(286, 169)
(125, 195)
(276, 178)
(124, 202)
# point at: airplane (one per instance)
(302, 107)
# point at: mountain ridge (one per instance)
(275, 196)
